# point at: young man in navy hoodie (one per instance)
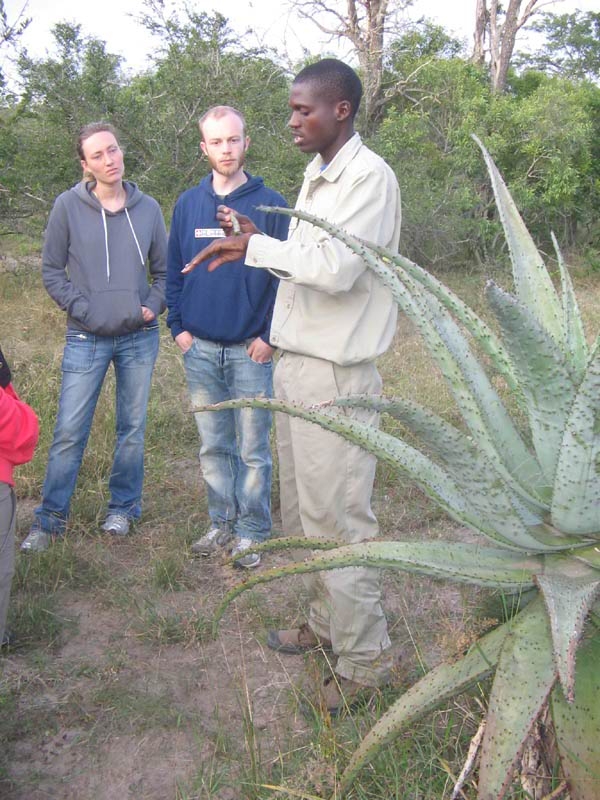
(221, 323)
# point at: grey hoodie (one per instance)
(94, 260)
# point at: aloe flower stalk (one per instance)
(534, 494)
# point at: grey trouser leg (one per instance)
(7, 549)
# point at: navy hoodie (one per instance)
(94, 260)
(234, 303)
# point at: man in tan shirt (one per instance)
(332, 318)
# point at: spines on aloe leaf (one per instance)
(478, 401)
(462, 563)
(589, 555)
(479, 330)
(576, 495)
(502, 517)
(533, 284)
(443, 682)
(575, 341)
(569, 589)
(545, 379)
(402, 268)
(524, 678)
(453, 495)
(577, 724)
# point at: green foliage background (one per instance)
(543, 133)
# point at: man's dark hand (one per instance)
(227, 218)
(232, 248)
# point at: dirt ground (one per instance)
(132, 698)
(111, 711)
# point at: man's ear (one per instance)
(203, 146)
(343, 110)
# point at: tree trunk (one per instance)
(364, 25)
(502, 42)
(481, 26)
(369, 47)
(502, 36)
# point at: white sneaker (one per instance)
(117, 524)
(37, 541)
(243, 548)
(216, 539)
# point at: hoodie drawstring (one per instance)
(106, 244)
(135, 237)
(137, 244)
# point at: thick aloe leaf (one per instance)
(475, 396)
(576, 497)
(525, 675)
(551, 537)
(576, 344)
(518, 524)
(502, 515)
(481, 332)
(458, 562)
(595, 347)
(589, 555)
(533, 284)
(569, 588)
(479, 403)
(544, 377)
(577, 724)
(439, 685)
(402, 266)
(432, 478)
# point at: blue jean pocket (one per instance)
(145, 344)
(79, 352)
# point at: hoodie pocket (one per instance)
(114, 312)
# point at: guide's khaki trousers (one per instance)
(325, 489)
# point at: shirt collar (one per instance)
(333, 170)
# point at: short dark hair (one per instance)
(216, 112)
(89, 130)
(335, 80)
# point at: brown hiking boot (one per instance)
(341, 695)
(296, 641)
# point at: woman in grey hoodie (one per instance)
(104, 264)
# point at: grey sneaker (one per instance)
(243, 555)
(216, 539)
(37, 541)
(117, 524)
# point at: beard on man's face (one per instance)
(231, 166)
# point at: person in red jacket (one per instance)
(19, 432)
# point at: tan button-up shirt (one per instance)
(329, 304)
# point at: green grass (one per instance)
(114, 647)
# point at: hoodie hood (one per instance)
(253, 185)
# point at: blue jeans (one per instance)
(235, 451)
(86, 359)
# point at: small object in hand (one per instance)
(235, 225)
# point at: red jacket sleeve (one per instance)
(19, 430)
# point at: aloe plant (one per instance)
(535, 493)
